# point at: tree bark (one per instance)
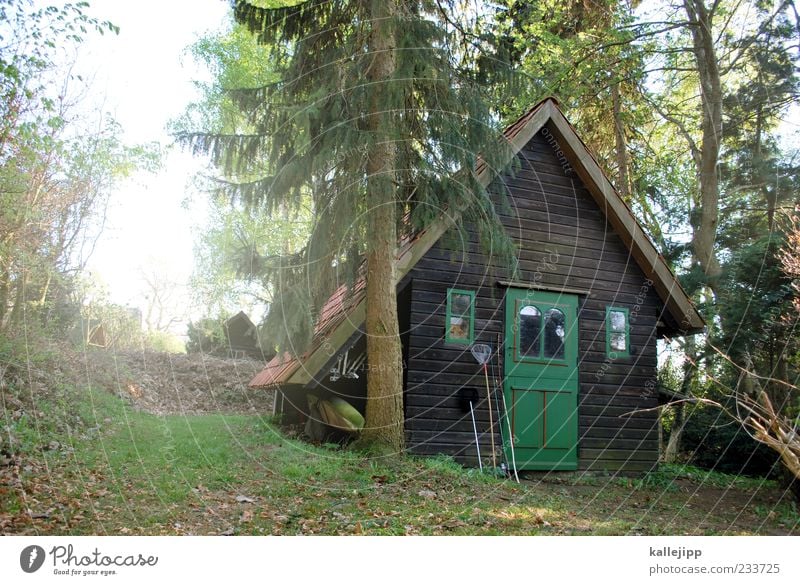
(5, 282)
(18, 305)
(674, 441)
(384, 413)
(673, 449)
(705, 222)
(620, 144)
(770, 195)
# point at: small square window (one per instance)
(618, 334)
(460, 318)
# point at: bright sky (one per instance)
(143, 77)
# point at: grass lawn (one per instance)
(129, 472)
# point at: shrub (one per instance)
(713, 441)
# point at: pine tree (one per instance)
(379, 115)
(588, 57)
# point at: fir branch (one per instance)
(289, 23)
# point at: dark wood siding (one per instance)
(565, 242)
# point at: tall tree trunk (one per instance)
(5, 283)
(620, 144)
(673, 449)
(705, 224)
(674, 442)
(384, 415)
(770, 195)
(18, 305)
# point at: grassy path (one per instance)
(129, 472)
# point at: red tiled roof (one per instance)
(335, 310)
(280, 368)
(277, 369)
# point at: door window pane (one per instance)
(530, 330)
(555, 329)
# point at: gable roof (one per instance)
(343, 313)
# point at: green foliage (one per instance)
(308, 138)
(234, 59)
(764, 82)
(587, 56)
(91, 306)
(232, 249)
(754, 299)
(231, 252)
(716, 443)
(164, 341)
(206, 336)
(32, 38)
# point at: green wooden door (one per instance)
(541, 379)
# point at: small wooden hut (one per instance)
(573, 336)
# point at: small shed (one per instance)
(95, 333)
(573, 336)
(91, 332)
(241, 336)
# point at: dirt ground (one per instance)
(159, 383)
(162, 383)
(681, 506)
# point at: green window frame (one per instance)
(612, 331)
(459, 323)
